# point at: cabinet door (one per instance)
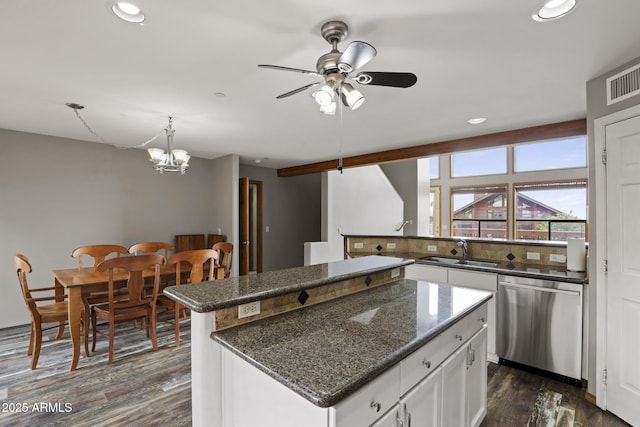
(454, 389)
(477, 378)
(422, 405)
(390, 419)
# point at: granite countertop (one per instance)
(214, 295)
(341, 345)
(546, 272)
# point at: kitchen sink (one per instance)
(458, 261)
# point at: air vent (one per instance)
(623, 85)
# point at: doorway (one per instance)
(250, 226)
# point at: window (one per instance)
(544, 155)
(481, 162)
(479, 212)
(434, 167)
(550, 211)
(434, 211)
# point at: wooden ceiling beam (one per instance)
(518, 136)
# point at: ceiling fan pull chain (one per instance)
(339, 132)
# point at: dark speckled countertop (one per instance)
(503, 267)
(327, 351)
(209, 296)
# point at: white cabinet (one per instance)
(443, 383)
(476, 379)
(464, 399)
(454, 388)
(390, 419)
(422, 405)
(426, 272)
(469, 279)
(486, 282)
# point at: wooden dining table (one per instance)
(79, 282)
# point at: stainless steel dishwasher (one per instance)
(539, 324)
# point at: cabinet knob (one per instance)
(482, 319)
(426, 363)
(376, 405)
(459, 337)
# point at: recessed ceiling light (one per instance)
(553, 9)
(128, 12)
(476, 121)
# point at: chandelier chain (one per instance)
(102, 140)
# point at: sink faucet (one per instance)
(462, 243)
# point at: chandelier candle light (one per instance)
(172, 160)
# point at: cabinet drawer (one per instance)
(426, 272)
(369, 403)
(425, 360)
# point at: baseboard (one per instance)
(590, 397)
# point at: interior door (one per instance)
(623, 278)
(245, 243)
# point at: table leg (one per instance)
(75, 312)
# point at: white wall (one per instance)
(57, 194)
(357, 201)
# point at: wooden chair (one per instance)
(151, 248)
(55, 312)
(136, 305)
(225, 249)
(97, 253)
(197, 260)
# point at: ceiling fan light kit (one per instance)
(335, 68)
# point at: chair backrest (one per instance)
(225, 250)
(23, 267)
(97, 252)
(135, 267)
(197, 259)
(151, 248)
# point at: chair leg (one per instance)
(37, 342)
(94, 326)
(177, 320)
(31, 338)
(60, 329)
(112, 332)
(152, 326)
(85, 331)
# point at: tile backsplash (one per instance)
(521, 252)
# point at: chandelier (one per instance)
(172, 160)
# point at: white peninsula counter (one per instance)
(350, 343)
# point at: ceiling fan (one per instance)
(336, 67)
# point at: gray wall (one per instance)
(597, 107)
(291, 209)
(57, 194)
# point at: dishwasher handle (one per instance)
(540, 289)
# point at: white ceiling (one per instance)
(472, 58)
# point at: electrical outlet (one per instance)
(557, 258)
(395, 272)
(432, 248)
(358, 245)
(533, 255)
(248, 309)
(391, 245)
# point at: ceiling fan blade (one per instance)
(355, 56)
(295, 70)
(374, 78)
(300, 89)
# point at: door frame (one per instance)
(601, 285)
(246, 225)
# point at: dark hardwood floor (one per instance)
(145, 387)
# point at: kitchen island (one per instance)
(361, 341)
